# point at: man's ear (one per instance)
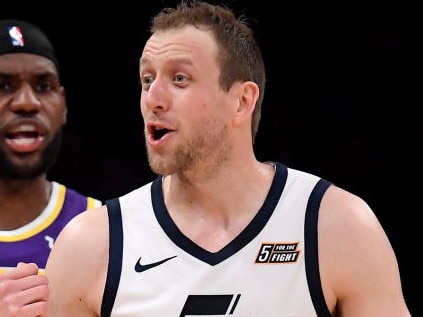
(65, 105)
(248, 93)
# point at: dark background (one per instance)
(340, 101)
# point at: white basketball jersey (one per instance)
(270, 270)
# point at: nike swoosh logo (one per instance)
(141, 268)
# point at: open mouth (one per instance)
(24, 134)
(157, 133)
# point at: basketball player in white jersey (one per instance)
(219, 233)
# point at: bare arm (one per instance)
(23, 292)
(359, 269)
(77, 266)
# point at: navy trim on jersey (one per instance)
(251, 231)
(115, 256)
(311, 249)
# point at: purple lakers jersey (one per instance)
(33, 242)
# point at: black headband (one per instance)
(17, 36)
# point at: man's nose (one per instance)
(25, 99)
(156, 97)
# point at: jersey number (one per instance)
(203, 305)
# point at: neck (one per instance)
(22, 201)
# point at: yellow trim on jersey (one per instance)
(92, 202)
(47, 222)
(3, 270)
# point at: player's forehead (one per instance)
(26, 63)
(187, 45)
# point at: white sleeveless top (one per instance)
(270, 270)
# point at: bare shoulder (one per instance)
(77, 265)
(340, 207)
(359, 270)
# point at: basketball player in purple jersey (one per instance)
(33, 209)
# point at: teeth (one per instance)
(24, 128)
(23, 141)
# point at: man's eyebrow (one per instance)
(40, 74)
(6, 75)
(171, 60)
(181, 59)
(46, 74)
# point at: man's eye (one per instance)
(179, 78)
(44, 87)
(147, 80)
(4, 86)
